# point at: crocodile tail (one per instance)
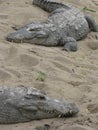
(49, 5)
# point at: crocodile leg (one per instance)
(92, 24)
(70, 44)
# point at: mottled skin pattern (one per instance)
(22, 104)
(64, 26)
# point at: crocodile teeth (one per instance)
(59, 116)
(70, 111)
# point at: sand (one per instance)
(71, 76)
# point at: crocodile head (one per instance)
(32, 33)
(36, 105)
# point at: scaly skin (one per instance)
(65, 25)
(22, 104)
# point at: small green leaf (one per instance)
(41, 76)
(88, 9)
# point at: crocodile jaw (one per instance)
(29, 34)
(61, 109)
(49, 108)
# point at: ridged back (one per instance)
(49, 5)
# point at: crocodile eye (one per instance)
(33, 29)
(42, 97)
(39, 97)
(35, 96)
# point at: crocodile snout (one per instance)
(21, 35)
(15, 37)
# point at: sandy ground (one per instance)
(68, 76)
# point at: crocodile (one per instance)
(65, 25)
(22, 104)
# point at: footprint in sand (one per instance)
(93, 108)
(14, 71)
(62, 67)
(93, 45)
(28, 60)
(80, 127)
(93, 36)
(95, 2)
(11, 52)
(64, 60)
(4, 75)
(64, 127)
(15, 58)
(3, 16)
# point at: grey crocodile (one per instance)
(22, 104)
(65, 25)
